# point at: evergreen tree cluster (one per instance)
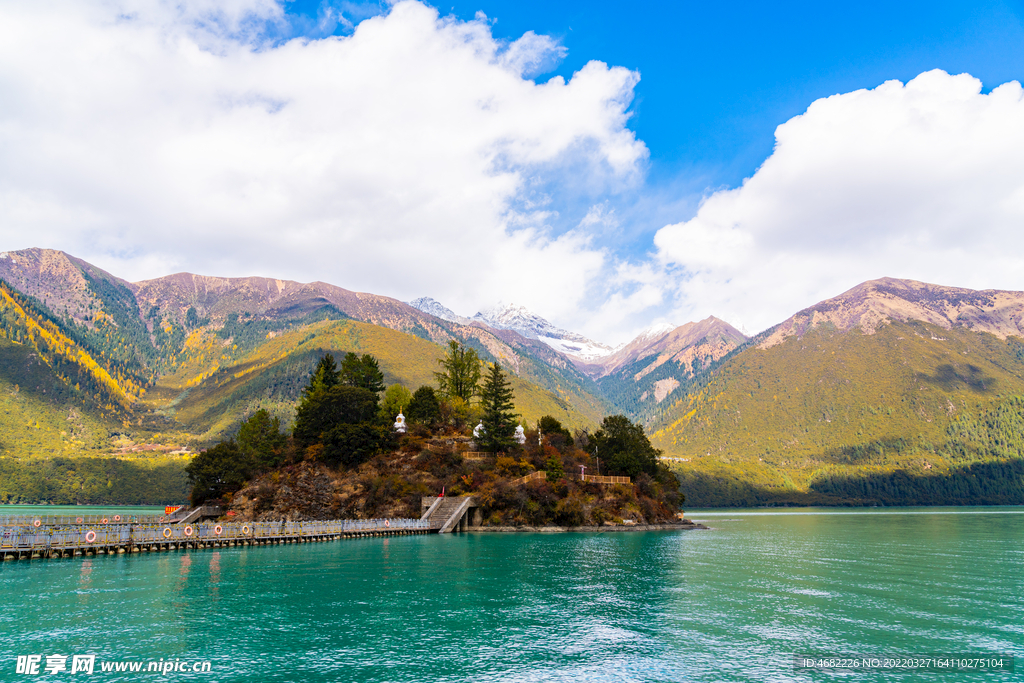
(338, 417)
(259, 445)
(499, 418)
(623, 448)
(424, 408)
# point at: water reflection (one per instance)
(84, 580)
(723, 605)
(215, 574)
(184, 567)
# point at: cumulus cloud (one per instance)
(923, 180)
(417, 157)
(150, 137)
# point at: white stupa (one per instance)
(400, 423)
(520, 436)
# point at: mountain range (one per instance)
(530, 325)
(893, 392)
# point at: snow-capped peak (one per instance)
(522, 320)
(530, 325)
(438, 310)
(656, 331)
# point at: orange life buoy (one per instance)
(90, 537)
(246, 530)
(387, 523)
(36, 523)
(117, 518)
(188, 530)
(104, 520)
(167, 532)
(218, 529)
(78, 520)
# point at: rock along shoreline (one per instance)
(685, 526)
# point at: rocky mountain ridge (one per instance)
(708, 339)
(64, 283)
(438, 310)
(204, 350)
(877, 302)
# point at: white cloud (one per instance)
(150, 137)
(416, 157)
(922, 181)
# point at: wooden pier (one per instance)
(29, 537)
(30, 541)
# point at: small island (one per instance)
(359, 450)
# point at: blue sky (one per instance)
(717, 78)
(666, 161)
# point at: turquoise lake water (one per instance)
(734, 603)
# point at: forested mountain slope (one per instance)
(885, 394)
(894, 392)
(98, 367)
(639, 378)
(271, 376)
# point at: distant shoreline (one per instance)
(688, 526)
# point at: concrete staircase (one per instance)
(184, 516)
(449, 513)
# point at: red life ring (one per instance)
(218, 529)
(90, 536)
(387, 523)
(117, 518)
(167, 532)
(78, 520)
(36, 523)
(104, 520)
(188, 530)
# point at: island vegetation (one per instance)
(345, 458)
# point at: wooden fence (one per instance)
(529, 477)
(589, 478)
(597, 479)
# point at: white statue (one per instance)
(400, 423)
(478, 430)
(520, 436)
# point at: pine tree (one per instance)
(362, 372)
(424, 408)
(499, 417)
(461, 376)
(261, 439)
(324, 377)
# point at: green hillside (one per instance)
(213, 376)
(271, 376)
(93, 481)
(41, 415)
(845, 417)
(638, 399)
(56, 447)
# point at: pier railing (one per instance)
(75, 536)
(68, 520)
